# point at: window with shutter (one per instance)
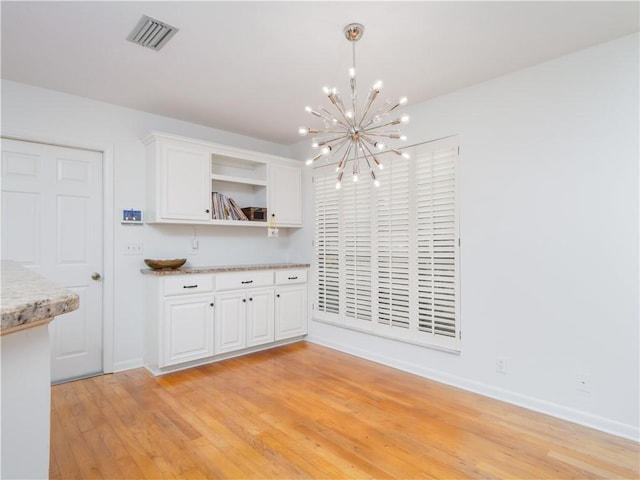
(387, 258)
(326, 244)
(356, 235)
(393, 224)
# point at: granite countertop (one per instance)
(224, 269)
(28, 299)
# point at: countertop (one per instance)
(28, 299)
(224, 269)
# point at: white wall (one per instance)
(36, 113)
(549, 229)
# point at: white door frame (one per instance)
(108, 220)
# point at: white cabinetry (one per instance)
(245, 314)
(245, 319)
(285, 193)
(183, 175)
(180, 320)
(198, 318)
(290, 304)
(187, 332)
(178, 188)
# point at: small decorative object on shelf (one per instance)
(165, 264)
(255, 214)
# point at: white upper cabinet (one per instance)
(184, 185)
(285, 194)
(197, 182)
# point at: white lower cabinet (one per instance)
(187, 329)
(290, 312)
(244, 319)
(260, 327)
(193, 318)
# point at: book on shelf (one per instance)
(226, 208)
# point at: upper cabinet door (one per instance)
(285, 194)
(184, 187)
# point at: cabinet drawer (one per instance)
(287, 277)
(187, 284)
(250, 279)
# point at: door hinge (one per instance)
(459, 242)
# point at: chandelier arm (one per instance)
(372, 98)
(334, 139)
(326, 118)
(366, 150)
(397, 121)
(333, 119)
(377, 162)
(384, 110)
(343, 161)
(333, 150)
(342, 112)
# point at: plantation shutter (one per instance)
(393, 224)
(387, 258)
(326, 243)
(436, 241)
(356, 235)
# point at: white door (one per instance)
(230, 322)
(285, 194)
(291, 311)
(52, 223)
(187, 329)
(259, 317)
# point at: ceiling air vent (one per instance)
(151, 33)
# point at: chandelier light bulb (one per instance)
(309, 161)
(338, 185)
(353, 131)
(406, 155)
(403, 138)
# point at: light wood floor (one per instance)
(304, 411)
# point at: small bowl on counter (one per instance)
(165, 264)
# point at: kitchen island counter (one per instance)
(29, 300)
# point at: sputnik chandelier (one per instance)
(355, 134)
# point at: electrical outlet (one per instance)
(133, 248)
(583, 382)
(501, 365)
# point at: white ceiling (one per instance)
(252, 67)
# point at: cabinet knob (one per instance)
(251, 299)
(244, 300)
(211, 304)
(278, 295)
(206, 211)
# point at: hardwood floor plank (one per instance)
(305, 411)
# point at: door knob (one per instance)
(95, 276)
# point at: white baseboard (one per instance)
(127, 365)
(607, 425)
